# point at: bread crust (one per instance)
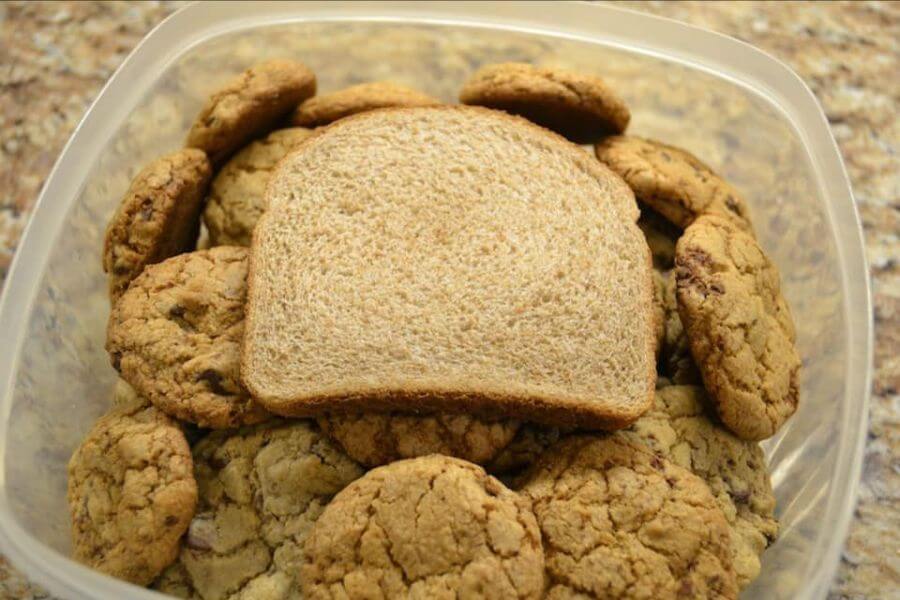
(485, 399)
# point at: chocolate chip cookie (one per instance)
(175, 336)
(580, 107)
(249, 105)
(739, 326)
(379, 438)
(620, 522)
(322, 110)
(236, 195)
(131, 493)
(678, 429)
(428, 527)
(672, 181)
(159, 216)
(261, 490)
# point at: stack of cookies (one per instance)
(372, 345)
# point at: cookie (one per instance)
(738, 325)
(131, 493)
(661, 237)
(379, 438)
(678, 429)
(322, 110)
(249, 105)
(236, 195)
(580, 107)
(175, 336)
(159, 216)
(528, 444)
(124, 395)
(675, 360)
(672, 181)
(428, 527)
(620, 522)
(261, 490)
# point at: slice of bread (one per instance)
(449, 258)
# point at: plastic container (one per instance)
(739, 109)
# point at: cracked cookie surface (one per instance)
(248, 105)
(261, 489)
(322, 110)
(131, 493)
(175, 336)
(738, 325)
(159, 216)
(580, 107)
(236, 196)
(620, 522)
(379, 438)
(672, 181)
(428, 527)
(678, 429)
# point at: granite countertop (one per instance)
(55, 57)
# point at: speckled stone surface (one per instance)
(54, 58)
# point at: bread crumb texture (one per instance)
(430, 527)
(425, 258)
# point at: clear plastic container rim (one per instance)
(710, 52)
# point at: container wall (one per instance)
(64, 379)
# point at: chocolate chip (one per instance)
(116, 358)
(214, 380)
(740, 497)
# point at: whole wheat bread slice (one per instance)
(449, 258)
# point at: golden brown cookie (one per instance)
(249, 105)
(261, 490)
(428, 527)
(236, 194)
(175, 336)
(131, 493)
(322, 110)
(620, 522)
(580, 107)
(379, 438)
(159, 216)
(739, 326)
(675, 360)
(672, 181)
(678, 429)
